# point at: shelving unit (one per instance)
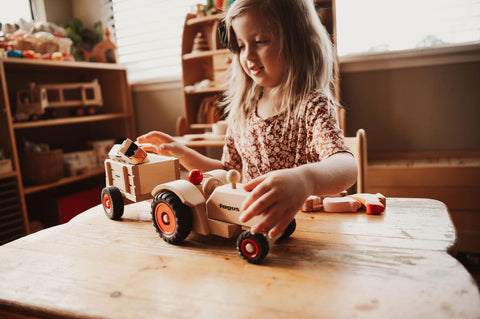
(115, 120)
(199, 66)
(212, 64)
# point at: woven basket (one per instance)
(41, 168)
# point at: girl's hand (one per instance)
(161, 143)
(276, 197)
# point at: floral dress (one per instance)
(281, 141)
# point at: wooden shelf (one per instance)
(69, 120)
(8, 175)
(116, 120)
(64, 181)
(201, 126)
(213, 89)
(200, 20)
(32, 63)
(199, 55)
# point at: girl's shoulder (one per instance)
(318, 103)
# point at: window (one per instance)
(12, 11)
(369, 26)
(148, 35)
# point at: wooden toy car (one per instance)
(207, 206)
(41, 99)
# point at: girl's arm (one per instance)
(279, 195)
(164, 144)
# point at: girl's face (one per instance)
(260, 54)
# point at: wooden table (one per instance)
(334, 266)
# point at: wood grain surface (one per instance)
(351, 265)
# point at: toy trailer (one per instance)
(135, 182)
(34, 102)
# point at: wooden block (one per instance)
(313, 203)
(372, 203)
(340, 205)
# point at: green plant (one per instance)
(83, 37)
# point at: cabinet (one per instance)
(212, 65)
(114, 120)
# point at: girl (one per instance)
(283, 133)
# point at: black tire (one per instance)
(172, 218)
(252, 247)
(288, 232)
(112, 201)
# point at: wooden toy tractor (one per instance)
(208, 205)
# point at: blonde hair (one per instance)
(305, 46)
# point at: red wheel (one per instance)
(165, 219)
(172, 218)
(249, 248)
(112, 202)
(91, 110)
(253, 247)
(79, 111)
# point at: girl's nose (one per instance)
(250, 53)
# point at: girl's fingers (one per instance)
(147, 147)
(269, 218)
(155, 137)
(255, 192)
(254, 183)
(258, 201)
(280, 227)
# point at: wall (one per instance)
(62, 11)
(433, 107)
(157, 107)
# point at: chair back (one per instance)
(358, 146)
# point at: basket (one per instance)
(43, 167)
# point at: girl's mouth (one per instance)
(255, 69)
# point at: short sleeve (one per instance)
(327, 137)
(230, 157)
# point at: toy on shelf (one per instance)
(76, 163)
(5, 163)
(36, 40)
(42, 99)
(105, 51)
(200, 43)
(207, 203)
(372, 204)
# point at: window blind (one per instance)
(389, 25)
(148, 35)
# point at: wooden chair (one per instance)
(358, 146)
